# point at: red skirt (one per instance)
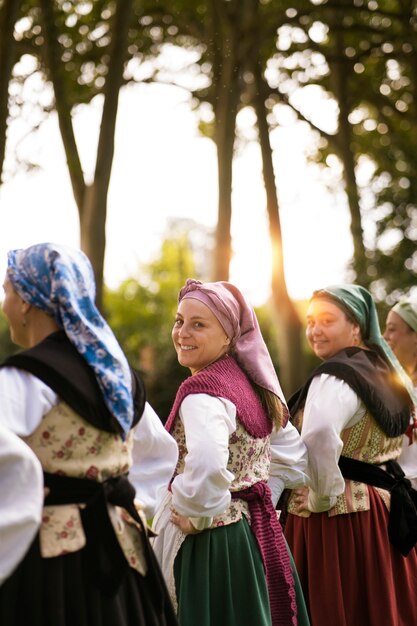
(350, 573)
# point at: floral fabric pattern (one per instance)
(249, 461)
(68, 445)
(365, 441)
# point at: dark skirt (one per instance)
(220, 579)
(59, 592)
(350, 573)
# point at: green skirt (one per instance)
(220, 580)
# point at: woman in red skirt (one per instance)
(353, 531)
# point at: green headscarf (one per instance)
(407, 310)
(358, 303)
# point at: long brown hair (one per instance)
(271, 403)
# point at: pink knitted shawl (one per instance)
(224, 378)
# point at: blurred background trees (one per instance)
(357, 57)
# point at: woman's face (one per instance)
(402, 340)
(14, 308)
(329, 330)
(198, 336)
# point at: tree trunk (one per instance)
(94, 214)
(62, 103)
(339, 77)
(292, 371)
(91, 200)
(8, 15)
(225, 79)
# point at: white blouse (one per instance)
(331, 406)
(24, 400)
(202, 490)
(408, 456)
(21, 500)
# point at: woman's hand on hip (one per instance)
(183, 522)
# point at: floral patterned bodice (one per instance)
(365, 441)
(249, 461)
(68, 445)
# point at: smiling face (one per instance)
(198, 336)
(402, 341)
(329, 329)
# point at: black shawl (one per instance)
(372, 379)
(57, 363)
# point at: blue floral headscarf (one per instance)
(60, 281)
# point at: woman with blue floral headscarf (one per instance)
(73, 398)
(353, 532)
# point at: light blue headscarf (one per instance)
(359, 304)
(406, 308)
(60, 281)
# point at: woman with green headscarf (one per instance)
(353, 531)
(401, 335)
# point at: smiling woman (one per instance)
(330, 328)
(345, 529)
(198, 336)
(218, 531)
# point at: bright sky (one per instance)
(164, 169)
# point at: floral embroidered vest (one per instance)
(249, 460)
(249, 445)
(365, 441)
(67, 444)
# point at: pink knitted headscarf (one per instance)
(240, 324)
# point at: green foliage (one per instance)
(372, 46)
(300, 44)
(142, 312)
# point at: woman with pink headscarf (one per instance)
(219, 540)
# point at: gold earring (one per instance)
(24, 321)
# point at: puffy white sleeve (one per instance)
(289, 461)
(331, 406)
(202, 490)
(24, 400)
(155, 455)
(21, 500)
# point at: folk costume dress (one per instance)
(237, 569)
(91, 563)
(76, 403)
(356, 559)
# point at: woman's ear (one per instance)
(357, 335)
(26, 307)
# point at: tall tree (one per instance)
(91, 198)
(224, 43)
(9, 11)
(363, 56)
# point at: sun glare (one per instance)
(173, 174)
